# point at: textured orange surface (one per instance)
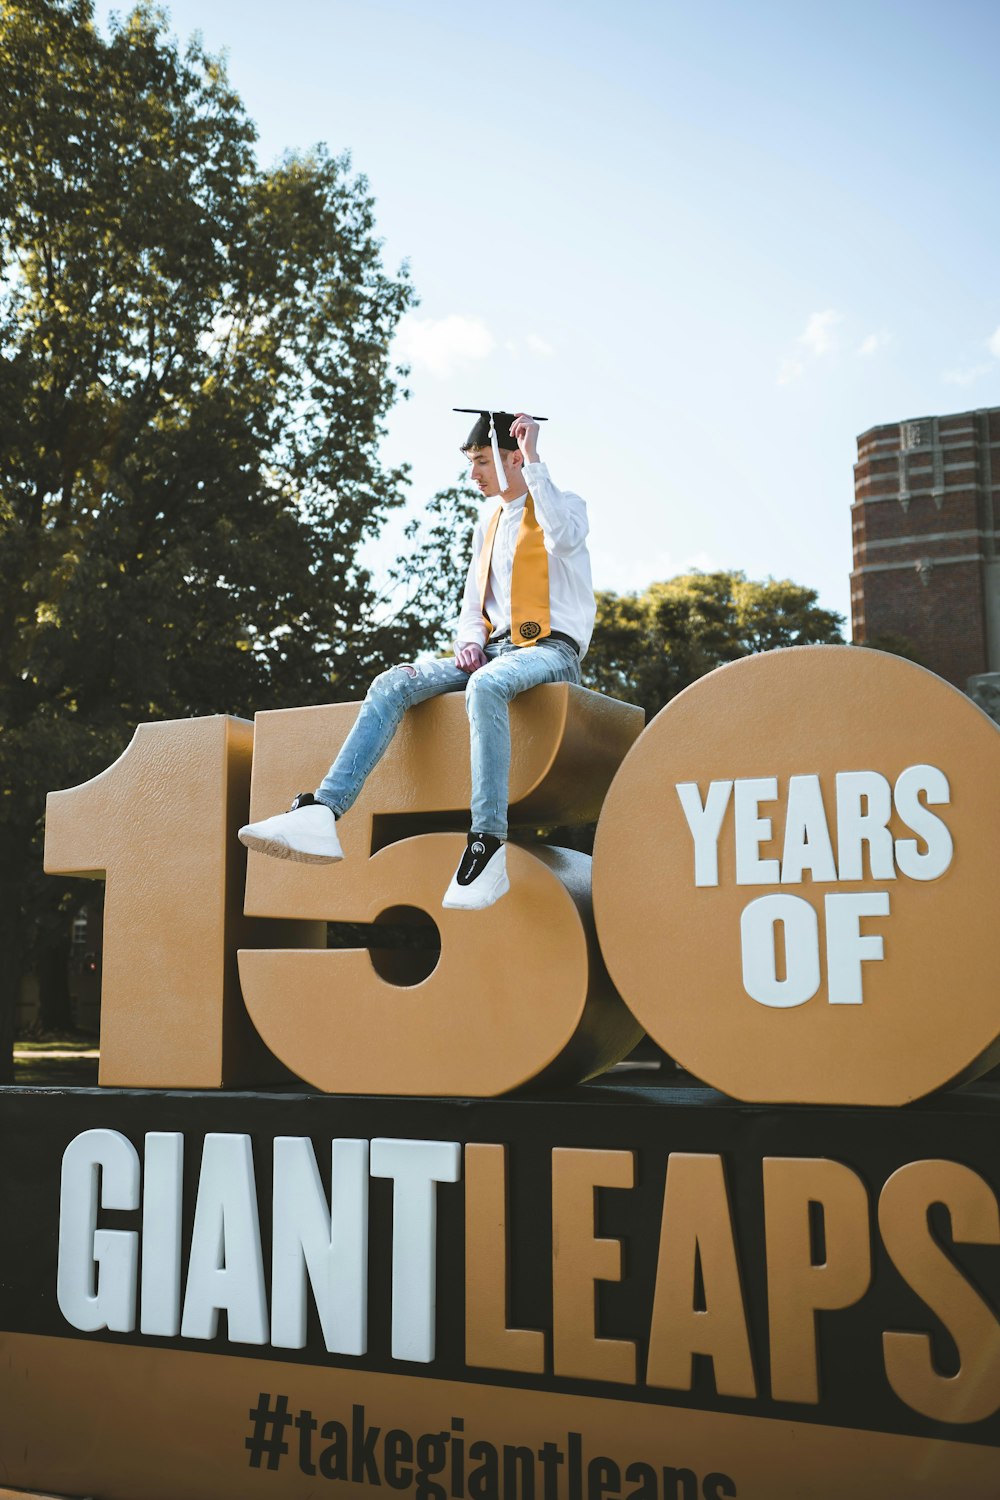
(161, 822)
(129, 1423)
(931, 1007)
(520, 989)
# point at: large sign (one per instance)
(794, 879)
(614, 1293)
(599, 1291)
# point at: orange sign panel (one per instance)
(795, 879)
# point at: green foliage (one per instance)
(648, 647)
(896, 645)
(194, 373)
(438, 546)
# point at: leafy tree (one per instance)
(194, 372)
(428, 583)
(648, 647)
(895, 645)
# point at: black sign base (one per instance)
(137, 1414)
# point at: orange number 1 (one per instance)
(160, 824)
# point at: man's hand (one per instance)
(469, 657)
(525, 430)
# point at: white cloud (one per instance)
(789, 370)
(967, 376)
(442, 345)
(530, 344)
(873, 343)
(818, 335)
(971, 373)
(816, 339)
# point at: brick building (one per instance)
(926, 523)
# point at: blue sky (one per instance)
(712, 243)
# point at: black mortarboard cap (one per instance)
(492, 430)
(479, 437)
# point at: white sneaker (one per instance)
(481, 877)
(307, 833)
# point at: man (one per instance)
(527, 617)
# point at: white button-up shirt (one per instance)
(563, 519)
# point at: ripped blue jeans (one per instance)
(509, 670)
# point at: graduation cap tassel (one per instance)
(501, 476)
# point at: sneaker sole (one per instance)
(478, 905)
(278, 849)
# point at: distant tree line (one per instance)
(649, 646)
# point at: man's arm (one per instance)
(563, 518)
(470, 630)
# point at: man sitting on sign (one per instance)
(527, 617)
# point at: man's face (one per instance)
(482, 471)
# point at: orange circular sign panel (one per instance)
(796, 879)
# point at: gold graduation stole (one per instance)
(529, 583)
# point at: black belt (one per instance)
(553, 635)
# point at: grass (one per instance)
(78, 1073)
(34, 1063)
(52, 1042)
